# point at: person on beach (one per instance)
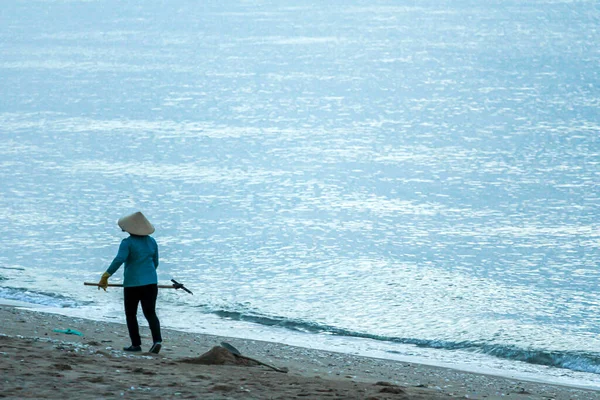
(139, 252)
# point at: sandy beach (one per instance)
(42, 356)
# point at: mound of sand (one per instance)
(220, 356)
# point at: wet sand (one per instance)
(37, 362)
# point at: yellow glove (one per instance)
(104, 281)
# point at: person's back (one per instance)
(141, 261)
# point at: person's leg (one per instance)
(148, 300)
(132, 299)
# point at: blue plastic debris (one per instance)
(69, 331)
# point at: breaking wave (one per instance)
(573, 360)
(40, 298)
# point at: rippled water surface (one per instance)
(419, 174)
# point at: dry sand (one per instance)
(36, 362)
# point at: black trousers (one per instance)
(147, 296)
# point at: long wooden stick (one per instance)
(175, 285)
(121, 285)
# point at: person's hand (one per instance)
(104, 281)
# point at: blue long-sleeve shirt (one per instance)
(140, 255)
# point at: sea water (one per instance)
(413, 180)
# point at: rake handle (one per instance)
(120, 285)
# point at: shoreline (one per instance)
(28, 334)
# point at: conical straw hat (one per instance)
(136, 224)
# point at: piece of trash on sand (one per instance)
(69, 331)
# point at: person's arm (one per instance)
(122, 255)
(155, 258)
(114, 266)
